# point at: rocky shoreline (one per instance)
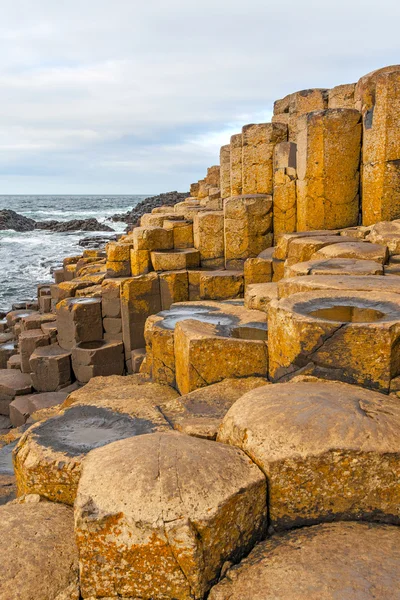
(133, 216)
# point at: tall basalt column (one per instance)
(258, 142)
(225, 170)
(328, 160)
(285, 174)
(236, 165)
(378, 98)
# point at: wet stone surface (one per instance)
(83, 428)
(206, 314)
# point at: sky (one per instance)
(136, 97)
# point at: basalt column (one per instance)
(288, 109)
(328, 159)
(258, 143)
(378, 98)
(225, 171)
(236, 164)
(285, 188)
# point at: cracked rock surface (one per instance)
(329, 450)
(39, 558)
(346, 561)
(157, 516)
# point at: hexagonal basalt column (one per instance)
(51, 368)
(157, 517)
(48, 458)
(206, 329)
(349, 336)
(330, 451)
(79, 320)
(352, 561)
(90, 359)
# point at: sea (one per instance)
(28, 258)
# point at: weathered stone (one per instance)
(200, 413)
(79, 320)
(316, 470)
(236, 165)
(48, 457)
(257, 270)
(67, 289)
(310, 283)
(334, 266)
(378, 98)
(28, 342)
(182, 233)
(349, 336)
(354, 250)
(225, 171)
(353, 561)
(140, 298)
(152, 238)
(197, 343)
(14, 362)
(328, 180)
(174, 287)
(259, 295)
(38, 552)
(208, 506)
(19, 411)
(284, 187)
(208, 232)
(248, 225)
(140, 262)
(283, 241)
(231, 321)
(342, 96)
(221, 285)
(175, 260)
(118, 269)
(15, 316)
(288, 109)
(91, 359)
(258, 143)
(7, 351)
(301, 249)
(51, 368)
(137, 358)
(111, 297)
(387, 234)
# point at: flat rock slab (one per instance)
(162, 513)
(259, 295)
(200, 413)
(12, 383)
(49, 456)
(133, 395)
(355, 250)
(365, 283)
(329, 450)
(346, 561)
(39, 558)
(334, 266)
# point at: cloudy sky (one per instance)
(137, 96)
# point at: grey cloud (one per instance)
(129, 96)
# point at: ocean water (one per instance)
(26, 259)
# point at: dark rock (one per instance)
(132, 217)
(9, 219)
(74, 225)
(96, 242)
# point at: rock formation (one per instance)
(217, 391)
